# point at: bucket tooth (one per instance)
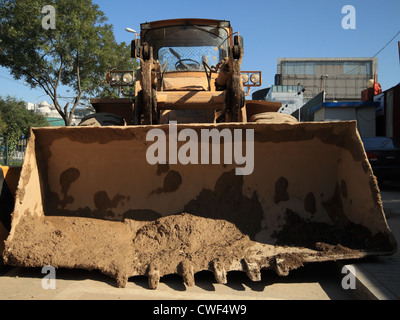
(219, 272)
(153, 276)
(252, 270)
(187, 273)
(122, 280)
(281, 268)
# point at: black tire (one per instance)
(236, 52)
(102, 120)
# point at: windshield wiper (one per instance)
(176, 54)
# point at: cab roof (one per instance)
(189, 21)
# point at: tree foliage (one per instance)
(16, 121)
(76, 55)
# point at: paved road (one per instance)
(390, 192)
(310, 283)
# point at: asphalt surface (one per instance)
(311, 282)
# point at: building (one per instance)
(52, 116)
(362, 111)
(342, 79)
(388, 113)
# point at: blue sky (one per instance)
(271, 30)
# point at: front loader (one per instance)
(185, 174)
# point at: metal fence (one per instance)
(15, 157)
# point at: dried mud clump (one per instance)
(186, 244)
(172, 240)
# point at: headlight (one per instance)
(116, 78)
(245, 77)
(255, 78)
(119, 78)
(127, 78)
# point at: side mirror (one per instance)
(238, 41)
(237, 46)
(135, 48)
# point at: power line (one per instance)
(370, 59)
(5, 78)
(386, 44)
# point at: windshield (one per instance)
(184, 48)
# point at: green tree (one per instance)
(16, 122)
(75, 56)
(2, 126)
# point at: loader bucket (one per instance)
(158, 200)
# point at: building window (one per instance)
(305, 68)
(361, 68)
